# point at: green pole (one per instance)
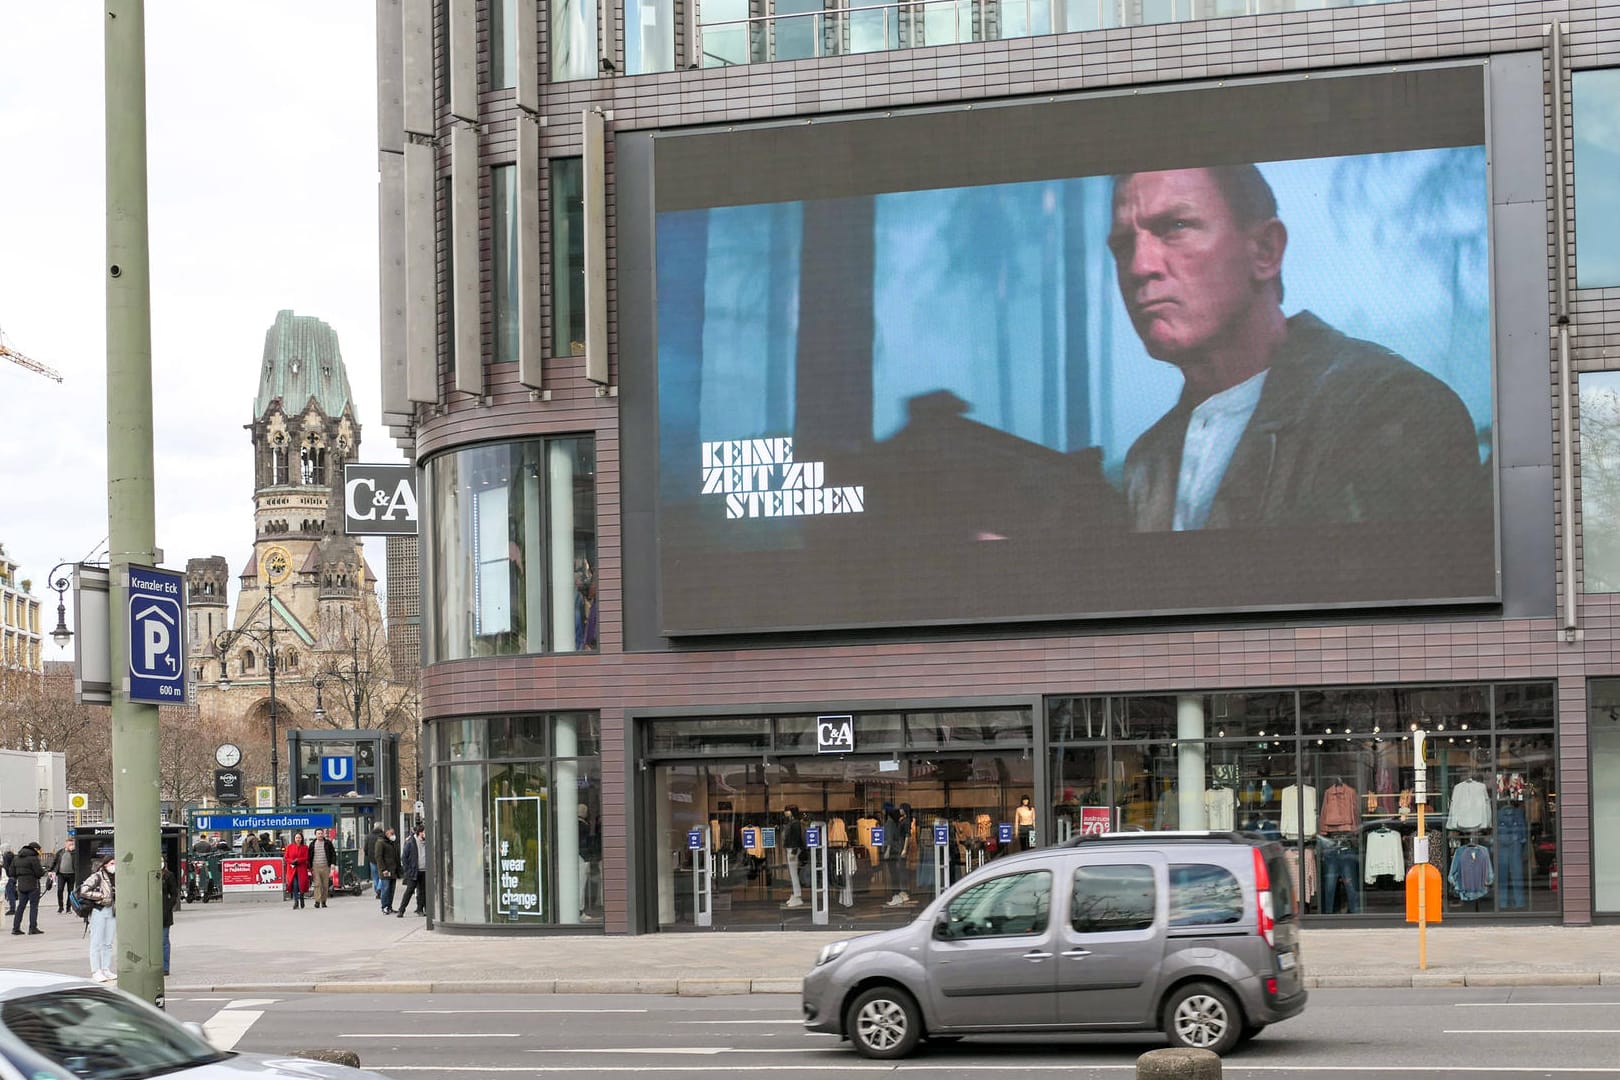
(129, 498)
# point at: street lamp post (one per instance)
(60, 585)
(226, 640)
(354, 671)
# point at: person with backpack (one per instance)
(29, 875)
(98, 895)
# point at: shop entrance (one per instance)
(877, 815)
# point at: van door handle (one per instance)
(1037, 955)
(1075, 954)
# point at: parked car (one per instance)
(56, 1027)
(1195, 934)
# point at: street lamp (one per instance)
(60, 585)
(320, 710)
(355, 673)
(226, 640)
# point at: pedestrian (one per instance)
(100, 892)
(250, 846)
(296, 858)
(63, 867)
(171, 899)
(322, 858)
(29, 874)
(7, 854)
(413, 871)
(387, 869)
(375, 835)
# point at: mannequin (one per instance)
(793, 842)
(1024, 821)
(896, 842)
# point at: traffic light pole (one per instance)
(130, 525)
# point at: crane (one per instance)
(31, 364)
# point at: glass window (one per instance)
(1204, 895)
(503, 261)
(517, 736)
(1600, 477)
(519, 800)
(649, 36)
(576, 735)
(1001, 907)
(969, 726)
(463, 830)
(721, 734)
(1113, 898)
(567, 257)
(573, 40)
(503, 43)
(512, 549)
(95, 1034)
(879, 731)
(1525, 705)
(1595, 116)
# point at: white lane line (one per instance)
(444, 1035)
(1533, 1031)
(697, 1050)
(526, 1012)
(954, 1066)
(226, 1027)
(1530, 1004)
(795, 1023)
(250, 1003)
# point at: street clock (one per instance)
(276, 565)
(228, 755)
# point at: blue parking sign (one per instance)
(155, 636)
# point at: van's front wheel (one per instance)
(1203, 1016)
(884, 1022)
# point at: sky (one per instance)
(262, 188)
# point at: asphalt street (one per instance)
(1431, 1033)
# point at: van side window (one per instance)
(1204, 895)
(1111, 898)
(1000, 907)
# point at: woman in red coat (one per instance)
(297, 861)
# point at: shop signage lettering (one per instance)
(760, 479)
(835, 734)
(1095, 820)
(261, 822)
(518, 893)
(518, 856)
(252, 875)
(379, 500)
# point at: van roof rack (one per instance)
(1183, 836)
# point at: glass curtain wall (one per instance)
(1330, 773)
(511, 528)
(924, 798)
(567, 256)
(503, 249)
(1603, 734)
(518, 814)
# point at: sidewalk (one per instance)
(268, 947)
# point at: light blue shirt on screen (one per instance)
(1213, 432)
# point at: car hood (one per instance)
(262, 1065)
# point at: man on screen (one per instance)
(1282, 420)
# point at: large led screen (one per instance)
(1122, 384)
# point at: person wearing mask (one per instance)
(372, 837)
(413, 871)
(63, 867)
(322, 858)
(100, 892)
(388, 869)
(171, 899)
(29, 874)
(296, 858)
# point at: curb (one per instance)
(720, 985)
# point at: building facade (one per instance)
(21, 642)
(900, 434)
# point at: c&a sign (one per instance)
(835, 734)
(379, 500)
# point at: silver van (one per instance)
(1194, 934)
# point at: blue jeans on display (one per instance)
(1340, 866)
(1510, 873)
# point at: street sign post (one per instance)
(156, 636)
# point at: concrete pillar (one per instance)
(1190, 761)
(1177, 1064)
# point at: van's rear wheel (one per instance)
(1203, 1016)
(884, 1022)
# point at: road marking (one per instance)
(957, 1066)
(250, 1003)
(445, 1035)
(1529, 1004)
(700, 1050)
(526, 1012)
(795, 1023)
(1533, 1031)
(226, 1027)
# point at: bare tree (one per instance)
(37, 712)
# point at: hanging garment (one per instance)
(1384, 856)
(1471, 876)
(1339, 813)
(837, 833)
(863, 829)
(1305, 896)
(1512, 855)
(1470, 807)
(1167, 815)
(1219, 807)
(1291, 798)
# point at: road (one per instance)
(1344, 1035)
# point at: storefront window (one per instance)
(522, 839)
(1600, 481)
(1595, 116)
(1603, 733)
(1337, 785)
(512, 549)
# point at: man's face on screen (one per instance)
(1185, 267)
